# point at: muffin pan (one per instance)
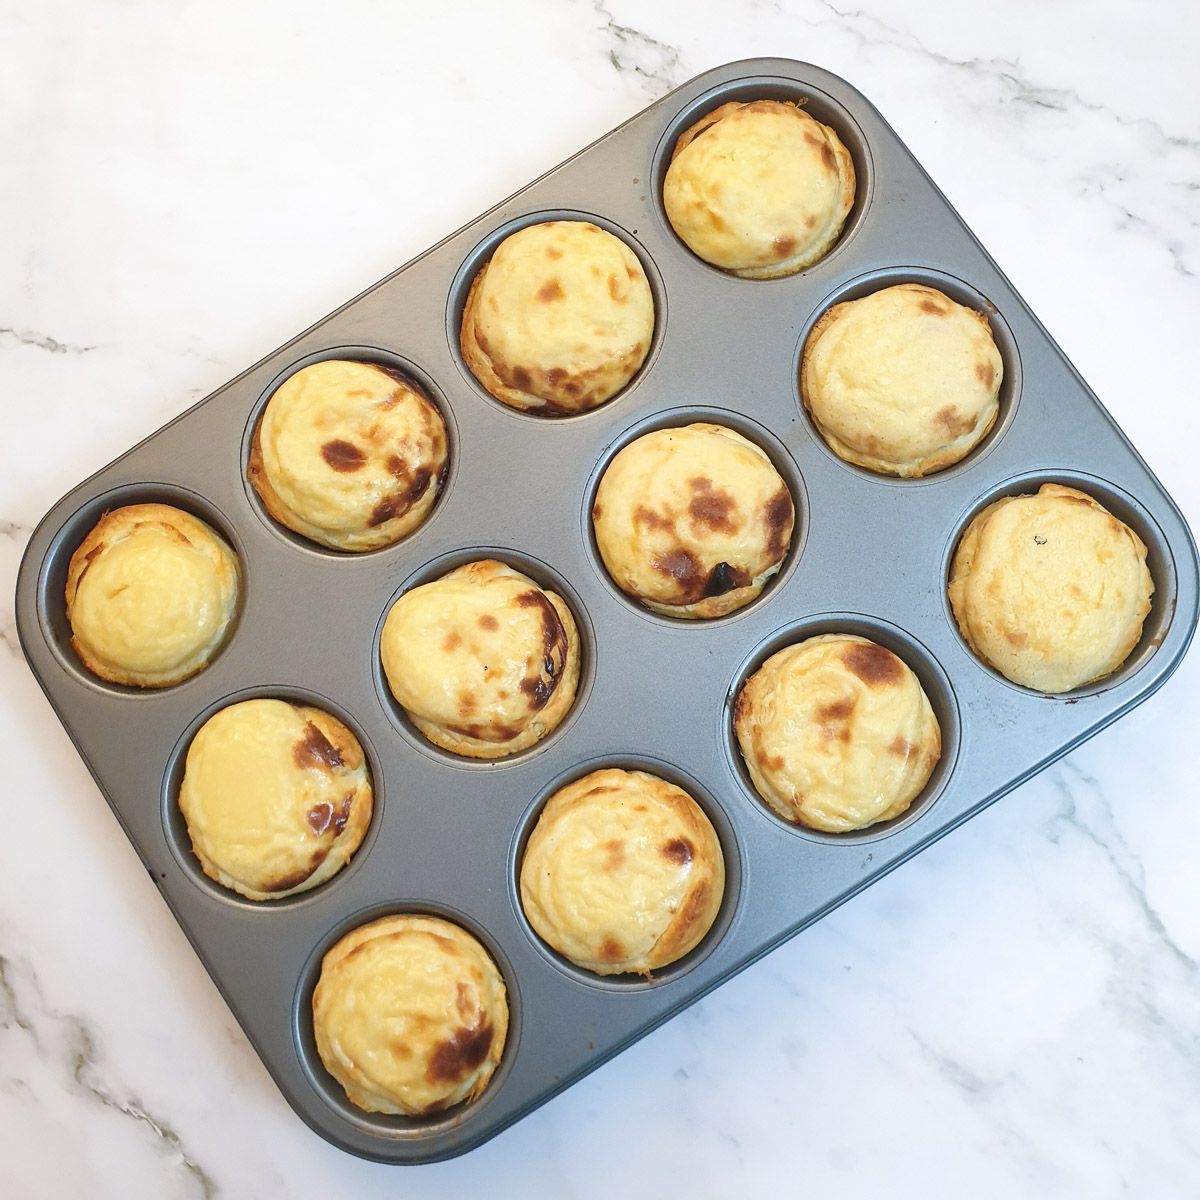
(870, 555)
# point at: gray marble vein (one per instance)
(1148, 978)
(633, 53)
(16, 534)
(988, 1097)
(27, 337)
(1100, 828)
(1163, 155)
(67, 1044)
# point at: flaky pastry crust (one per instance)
(349, 454)
(410, 1015)
(903, 381)
(759, 189)
(837, 733)
(484, 661)
(276, 796)
(622, 873)
(559, 320)
(692, 521)
(150, 594)
(1050, 589)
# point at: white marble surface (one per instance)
(184, 186)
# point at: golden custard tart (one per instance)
(759, 189)
(410, 1015)
(559, 320)
(1050, 589)
(349, 454)
(483, 660)
(276, 797)
(837, 733)
(692, 521)
(904, 381)
(623, 872)
(150, 594)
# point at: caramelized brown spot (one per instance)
(396, 503)
(716, 221)
(296, 878)
(316, 750)
(521, 377)
(396, 466)
(875, 665)
(614, 854)
(420, 480)
(901, 748)
(985, 373)
(784, 247)
(400, 1049)
(678, 851)
(779, 516)
(934, 307)
(611, 950)
(838, 711)
(555, 376)
(695, 904)
(956, 424)
(553, 252)
(343, 456)
(648, 517)
(775, 763)
(462, 1054)
(462, 1000)
(827, 156)
(538, 690)
(467, 703)
(614, 290)
(319, 817)
(550, 290)
(385, 510)
(451, 642)
(343, 813)
(1016, 637)
(725, 577)
(813, 140)
(488, 622)
(712, 507)
(810, 221)
(681, 565)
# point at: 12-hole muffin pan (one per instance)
(869, 555)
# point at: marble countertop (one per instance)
(1014, 1013)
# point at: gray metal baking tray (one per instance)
(870, 555)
